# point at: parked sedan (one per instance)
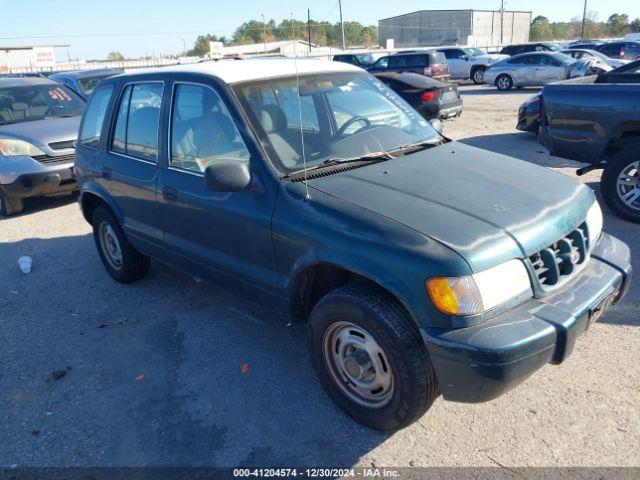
(39, 121)
(529, 69)
(529, 48)
(83, 82)
(431, 98)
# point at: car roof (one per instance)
(89, 73)
(248, 70)
(25, 81)
(414, 79)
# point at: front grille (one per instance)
(62, 145)
(47, 160)
(562, 259)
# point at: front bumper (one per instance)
(26, 177)
(482, 362)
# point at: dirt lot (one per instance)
(152, 371)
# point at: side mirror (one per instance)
(436, 123)
(466, 58)
(228, 177)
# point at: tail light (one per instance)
(427, 71)
(429, 96)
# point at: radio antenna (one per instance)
(304, 156)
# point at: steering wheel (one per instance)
(348, 123)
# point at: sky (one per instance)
(152, 27)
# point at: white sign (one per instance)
(391, 44)
(216, 49)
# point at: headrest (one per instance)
(272, 119)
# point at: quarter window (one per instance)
(202, 130)
(93, 120)
(137, 122)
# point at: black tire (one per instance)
(506, 84)
(616, 165)
(10, 205)
(477, 75)
(133, 265)
(415, 386)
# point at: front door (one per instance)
(130, 167)
(226, 235)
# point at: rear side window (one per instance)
(137, 121)
(436, 58)
(93, 119)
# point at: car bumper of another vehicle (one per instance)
(25, 177)
(528, 119)
(482, 362)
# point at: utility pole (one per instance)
(309, 27)
(344, 45)
(501, 22)
(264, 33)
(584, 19)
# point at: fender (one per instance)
(92, 188)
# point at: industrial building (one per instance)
(27, 58)
(479, 28)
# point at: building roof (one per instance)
(236, 71)
(458, 10)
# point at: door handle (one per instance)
(106, 173)
(170, 194)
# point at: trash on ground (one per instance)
(198, 279)
(25, 263)
(139, 378)
(58, 374)
(245, 368)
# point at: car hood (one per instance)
(43, 132)
(487, 207)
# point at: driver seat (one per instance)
(274, 123)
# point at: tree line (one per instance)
(323, 33)
(617, 25)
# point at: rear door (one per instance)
(130, 163)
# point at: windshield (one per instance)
(366, 58)
(35, 102)
(565, 59)
(554, 47)
(88, 85)
(478, 52)
(341, 116)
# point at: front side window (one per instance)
(344, 115)
(202, 130)
(27, 103)
(137, 122)
(93, 119)
(382, 63)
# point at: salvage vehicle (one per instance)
(600, 59)
(83, 82)
(599, 124)
(529, 112)
(428, 63)
(39, 121)
(530, 69)
(467, 63)
(249, 174)
(430, 98)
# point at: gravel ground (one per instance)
(153, 371)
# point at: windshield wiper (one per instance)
(330, 162)
(402, 149)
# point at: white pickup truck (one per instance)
(469, 63)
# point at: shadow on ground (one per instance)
(153, 372)
(38, 204)
(491, 90)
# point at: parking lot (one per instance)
(170, 371)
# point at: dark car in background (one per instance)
(598, 123)
(529, 47)
(529, 112)
(428, 63)
(39, 121)
(431, 98)
(363, 60)
(83, 82)
(624, 50)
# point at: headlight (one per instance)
(10, 147)
(482, 291)
(594, 223)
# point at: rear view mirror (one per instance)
(229, 176)
(436, 124)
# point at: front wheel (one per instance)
(504, 82)
(621, 183)
(478, 76)
(370, 358)
(10, 205)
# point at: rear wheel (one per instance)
(370, 358)
(621, 183)
(123, 262)
(10, 205)
(504, 82)
(477, 75)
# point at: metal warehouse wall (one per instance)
(446, 27)
(426, 28)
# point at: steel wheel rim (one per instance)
(628, 185)
(110, 245)
(478, 76)
(358, 365)
(503, 83)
